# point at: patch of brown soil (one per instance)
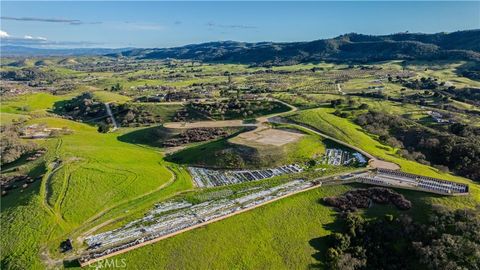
(270, 136)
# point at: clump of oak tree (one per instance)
(454, 146)
(12, 146)
(449, 239)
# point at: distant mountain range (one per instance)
(461, 45)
(12, 50)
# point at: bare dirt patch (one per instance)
(270, 136)
(376, 163)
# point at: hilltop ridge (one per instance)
(460, 45)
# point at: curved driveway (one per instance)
(276, 118)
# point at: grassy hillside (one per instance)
(151, 136)
(7, 118)
(30, 104)
(225, 153)
(96, 178)
(237, 242)
(107, 96)
(324, 120)
(287, 234)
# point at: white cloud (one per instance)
(6, 36)
(3, 34)
(37, 38)
(42, 42)
(49, 20)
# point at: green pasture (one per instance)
(107, 96)
(7, 118)
(31, 103)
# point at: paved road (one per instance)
(109, 112)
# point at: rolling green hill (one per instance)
(98, 178)
(324, 120)
(235, 154)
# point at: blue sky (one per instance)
(167, 24)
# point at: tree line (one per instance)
(449, 239)
(456, 147)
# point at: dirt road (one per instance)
(229, 123)
(207, 124)
(277, 118)
(339, 89)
